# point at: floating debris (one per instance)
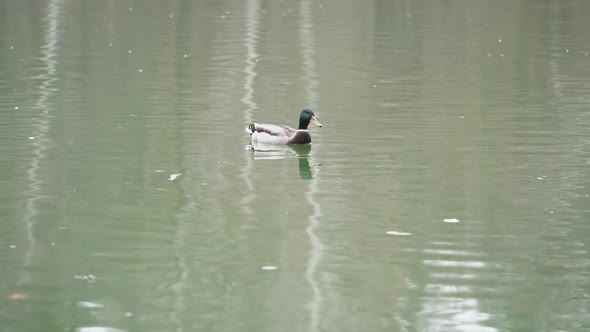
(173, 177)
(398, 233)
(31, 137)
(451, 220)
(17, 296)
(268, 268)
(89, 305)
(90, 278)
(98, 329)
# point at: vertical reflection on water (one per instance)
(179, 287)
(555, 78)
(180, 274)
(250, 41)
(309, 74)
(41, 125)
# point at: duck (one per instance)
(277, 134)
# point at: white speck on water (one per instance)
(223, 17)
(398, 233)
(128, 314)
(489, 55)
(171, 16)
(130, 51)
(141, 70)
(130, 9)
(374, 86)
(89, 305)
(31, 137)
(551, 212)
(499, 40)
(173, 177)
(98, 329)
(204, 183)
(12, 246)
(110, 44)
(451, 220)
(132, 115)
(12, 47)
(90, 278)
(268, 268)
(461, 117)
(540, 178)
(567, 50)
(186, 55)
(501, 55)
(15, 107)
(159, 170)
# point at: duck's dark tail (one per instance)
(251, 129)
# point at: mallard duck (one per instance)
(275, 134)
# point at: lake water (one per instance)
(448, 190)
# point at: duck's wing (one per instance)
(271, 129)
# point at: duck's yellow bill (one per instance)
(315, 122)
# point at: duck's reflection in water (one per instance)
(275, 151)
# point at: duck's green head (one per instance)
(305, 117)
